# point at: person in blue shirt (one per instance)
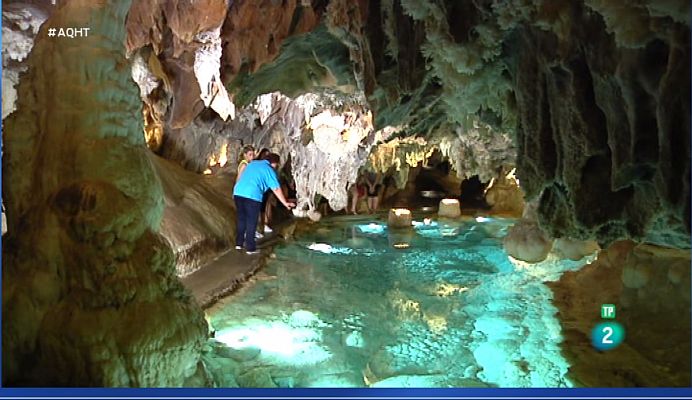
(258, 177)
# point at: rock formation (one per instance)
(82, 262)
(588, 99)
(601, 129)
(586, 106)
(199, 215)
(603, 138)
(657, 346)
(20, 24)
(504, 194)
(526, 241)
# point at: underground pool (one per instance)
(355, 304)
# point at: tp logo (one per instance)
(610, 334)
(608, 311)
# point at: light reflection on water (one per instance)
(354, 304)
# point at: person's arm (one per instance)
(370, 184)
(272, 180)
(280, 195)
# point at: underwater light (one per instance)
(371, 228)
(401, 245)
(449, 231)
(279, 341)
(328, 249)
(449, 208)
(482, 219)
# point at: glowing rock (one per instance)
(449, 208)
(399, 218)
(526, 241)
(574, 249)
(314, 216)
(300, 213)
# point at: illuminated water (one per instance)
(352, 304)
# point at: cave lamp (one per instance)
(401, 239)
(449, 208)
(399, 218)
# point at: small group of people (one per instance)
(257, 178)
(369, 184)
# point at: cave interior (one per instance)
(554, 132)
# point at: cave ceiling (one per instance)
(590, 98)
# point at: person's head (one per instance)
(273, 159)
(263, 154)
(248, 152)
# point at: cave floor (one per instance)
(222, 276)
(351, 304)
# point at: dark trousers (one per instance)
(247, 211)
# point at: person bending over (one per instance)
(259, 177)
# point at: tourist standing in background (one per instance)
(248, 155)
(357, 193)
(374, 185)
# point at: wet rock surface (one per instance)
(588, 99)
(657, 343)
(198, 219)
(82, 261)
(594, 115)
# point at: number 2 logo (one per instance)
(608, 333)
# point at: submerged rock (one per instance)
(256, 378)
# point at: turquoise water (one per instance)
(352, 304)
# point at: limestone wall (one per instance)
(90, 296)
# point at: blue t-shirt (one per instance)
(258, 177)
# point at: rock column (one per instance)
(90, 297)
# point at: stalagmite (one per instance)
(449, 208)
(90, 297)
(399, 218)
